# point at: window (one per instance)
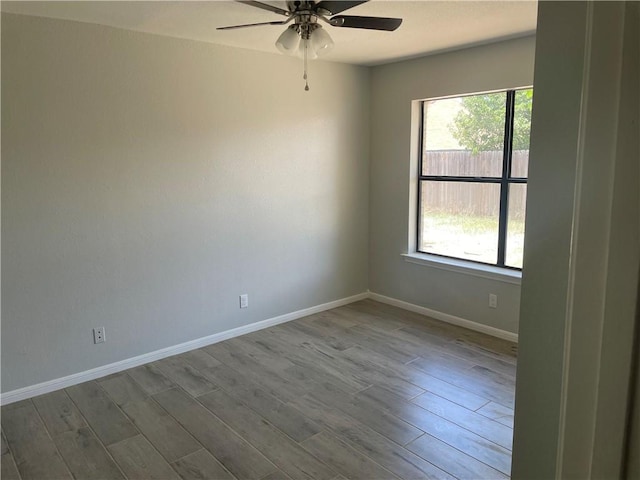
(474, 156)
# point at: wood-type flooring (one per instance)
(365, 391)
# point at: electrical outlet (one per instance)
(244, 300)
(99, 335)
(493, 300)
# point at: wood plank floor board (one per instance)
(286, 454)
(246, 346)
(383, 451)
(425, 341)
(161, 429)
(490, 346)
(86, 457)
(102, 414)
(19, 404)
(272, 382)
(448, 364)
(473, 421)
(404, 318)
(58, 412)
(501, 363)
(201, 465)
(302, 349)
(151, 379)
(422, 341)
(367, 314)
(280, 475)
(379, 420)
(337, 338)
(376, 341)
(444, 372)
(8, 469)
(407, 373)
(451, 460)
(408, 381)
(244, 352)
(387, 344)
(278, 413)
(344, 459)
(334, 320)
(480, 380)
(370, 373)
(492, 352)
(338, 317)
(307, 341)
(199, 359)
(494, 378)
(468, 351)
(498, 413)
(301, 352)
(313, 362)
(113, 375)
(231, 450)
(123, 389)
(441, 330)
(309, 377)
(34, 453)
(178, 369)
(458, 437)
(140, 461)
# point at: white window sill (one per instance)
(468, 268)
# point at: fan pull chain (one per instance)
(306, 83)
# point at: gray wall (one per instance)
(393, 88)
(148, 181)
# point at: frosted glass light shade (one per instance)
(321, 42)
(311, 54)
(288, 42)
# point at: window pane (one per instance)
(521, 133)
(460, 219)
(464, 136)
(515, 225)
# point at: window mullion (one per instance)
(420, 170)
(506, 173)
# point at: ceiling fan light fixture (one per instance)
(305, 36)
(321, 42)
(288, 42)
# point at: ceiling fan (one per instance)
(305, 35)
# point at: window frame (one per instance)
(505, 180)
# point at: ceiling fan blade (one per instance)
(369, 23)
(266, 6)
(334, 7)
(252, 25)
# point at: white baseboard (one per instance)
(445, 317)
(98, 372)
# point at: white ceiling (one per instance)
(428, 26)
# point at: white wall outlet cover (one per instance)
(99, 335)
(244, 300)
(493, 300)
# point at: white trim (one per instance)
(490, 272)
(445, 317)
(565, 386)
(98, 372)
